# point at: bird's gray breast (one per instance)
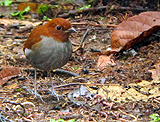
(50, 54)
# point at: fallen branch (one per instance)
(95, 24)
(101, 8)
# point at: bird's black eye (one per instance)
(59, 27)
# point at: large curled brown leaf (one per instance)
(134, 30)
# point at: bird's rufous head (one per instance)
(59, 29)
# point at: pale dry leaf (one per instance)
(117, 93)
(104, 60)
(7, 22)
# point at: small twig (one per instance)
(78, 48)
(84, 36)
(75, 44)
(71, 116)
(60, 89)
(82, 41)
(56, 71)
(85, 84)
(95, 24)
(10, 45)
(66, 72)
(156, 100)
(27, 27)
(157, 69)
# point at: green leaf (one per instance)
(87, 6)
(15, 14)
(155, 117)
(54, 6)
(60, 120)
(19, 89)
(26, 9)
(42, 8)
(52, 120)
(152, 116)
(101, 18)
(20, 13)
(21, 16)
(72, 120)
(1, 3)
(7, 2)
(76, 67)
(46, 18)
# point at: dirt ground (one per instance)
(126, 91)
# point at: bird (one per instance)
(48, 47)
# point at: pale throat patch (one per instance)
(27, 51)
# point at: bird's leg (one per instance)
(53, 91)
(35, 86)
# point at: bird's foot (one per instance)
(37, 95)
(54, 93)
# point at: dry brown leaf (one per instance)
(7, 73)
(134, 30)
(33, 6)
(156, 71)
(104, 60)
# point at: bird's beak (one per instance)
(71, 30)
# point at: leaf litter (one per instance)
(121, 92)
